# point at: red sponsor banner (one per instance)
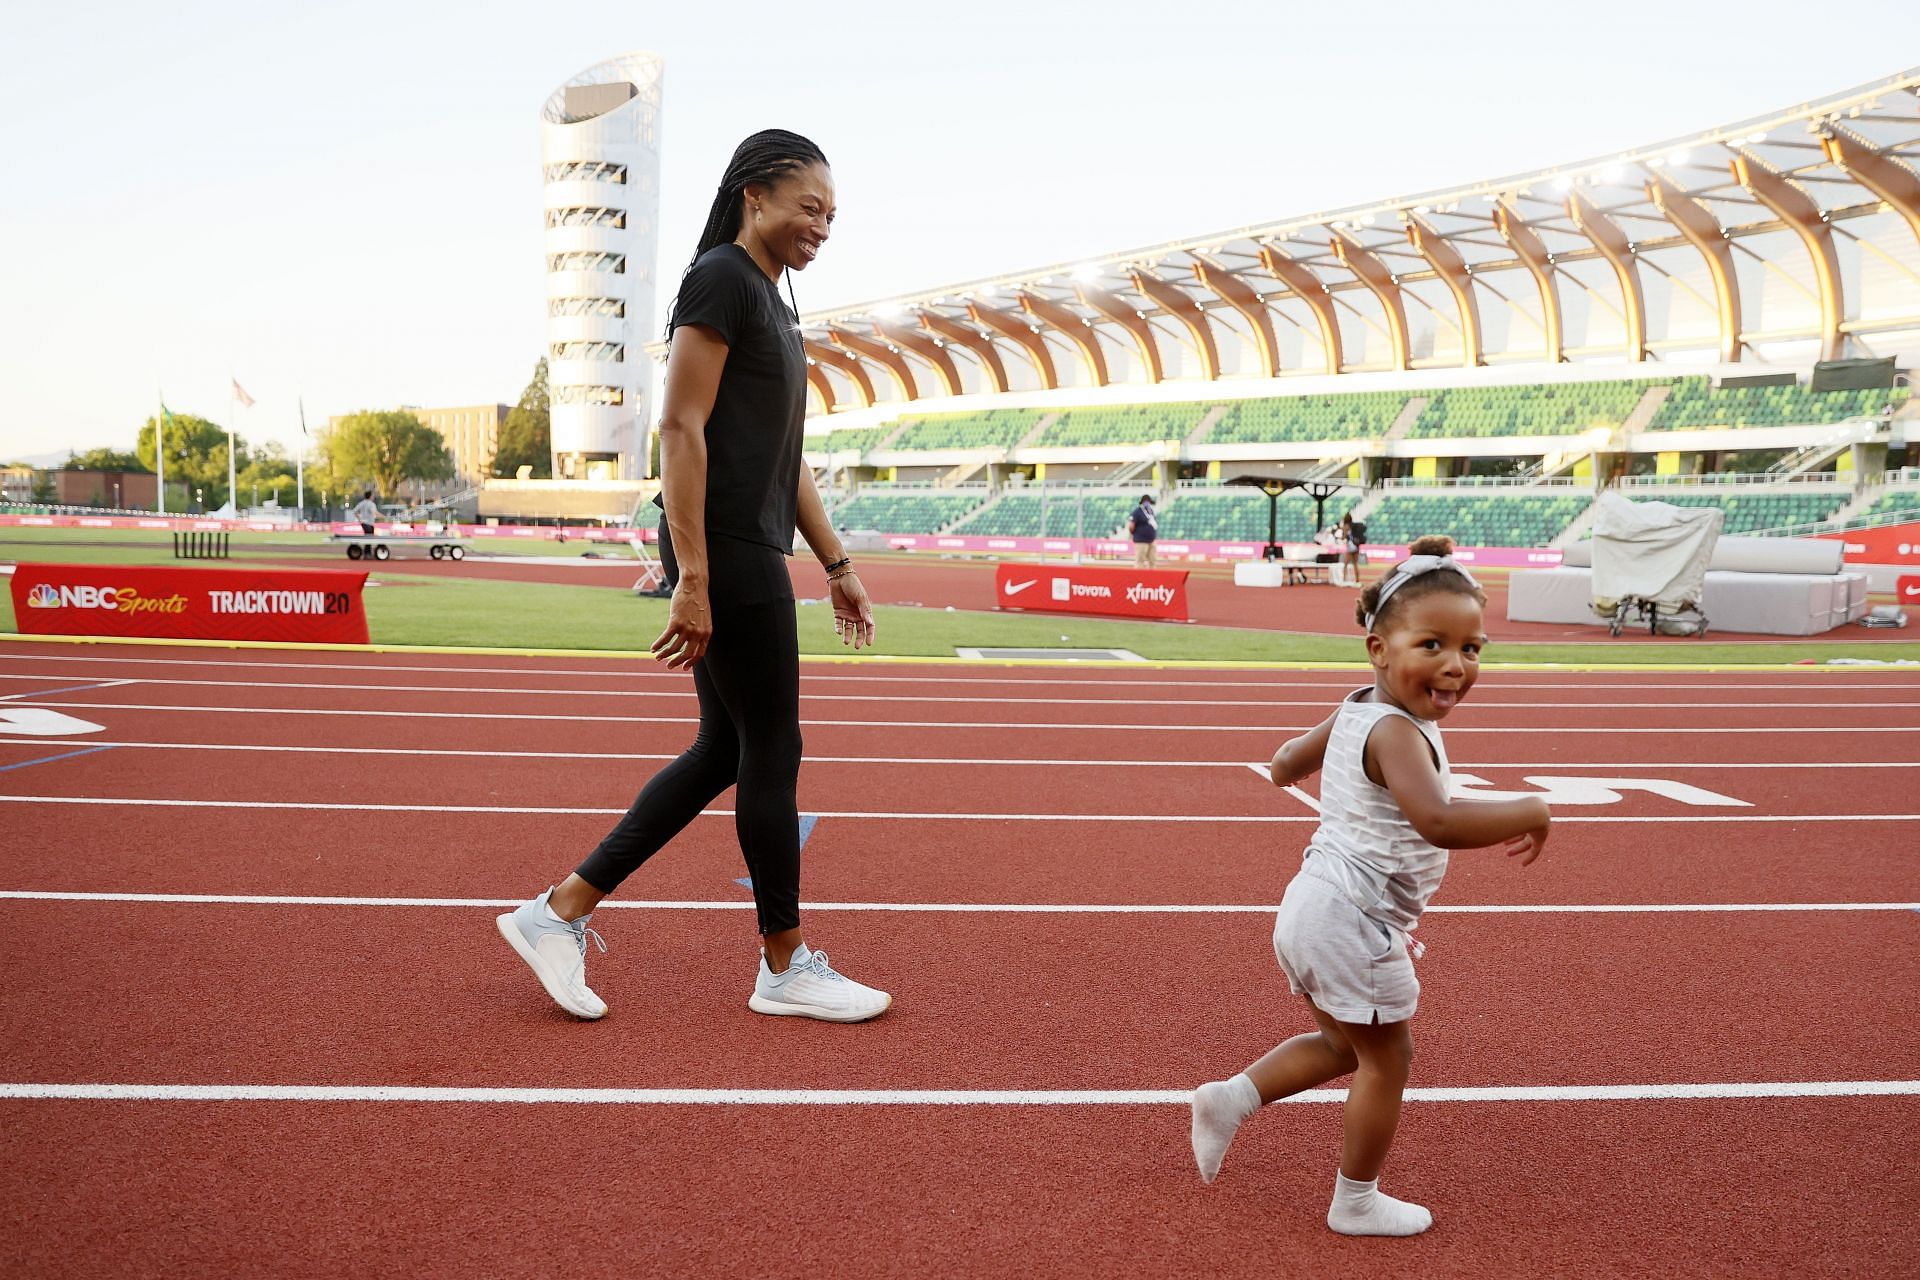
(1887, 544)
(1907, 590)
(1084, 588)
(284, 605)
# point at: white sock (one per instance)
(1359, 1209)
(1218, 1109)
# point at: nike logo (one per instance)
(1015, 588)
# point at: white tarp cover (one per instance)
(1652, 550)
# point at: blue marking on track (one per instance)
(66, 755)
(48, 693)
(808, 821)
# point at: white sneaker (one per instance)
(556, 952)
(811, 989)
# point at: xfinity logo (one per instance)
(1141, 591)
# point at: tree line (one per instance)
(376, 449)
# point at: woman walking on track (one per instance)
(734, 490)
(1343, 935)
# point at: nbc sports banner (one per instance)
(274, 605)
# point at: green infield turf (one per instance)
(415, 609)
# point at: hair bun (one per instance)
(1432, 544)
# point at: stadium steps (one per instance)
(1408, 416)
(1581, 527)
(1875, 505)
(963, 473)
(1807, 458)
(1039, 429)
(1199, 433)
(899, 428)
(988, 505)
(1863, 501)
(1644, 411)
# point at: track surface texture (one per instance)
(258, 1021)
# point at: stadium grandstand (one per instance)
(1723, 318)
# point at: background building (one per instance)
(600, 151)
(472, 433)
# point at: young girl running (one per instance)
(1386, 824)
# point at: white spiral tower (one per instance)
(600, 154)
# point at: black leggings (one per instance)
(748, 683)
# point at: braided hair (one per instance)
(763, 159)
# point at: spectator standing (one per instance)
(366, 513)
(1144, 526)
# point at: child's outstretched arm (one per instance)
(1300, 757)
(1399, 759)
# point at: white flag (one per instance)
(240, 394)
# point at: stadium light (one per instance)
(1086, 273)
(1613, 173)
(1563, 183)
(1679, 156)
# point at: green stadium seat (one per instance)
(1555, 409)
(1122, 424)
(996, 428)
(1240, 515)
(1759, 512)
(1364, 415)
(1694, 405)
(1482, 520)
(1018, 516)
(904, 511)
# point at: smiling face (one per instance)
(791, 219)
(1427, 653)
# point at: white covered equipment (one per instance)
(1651, 556)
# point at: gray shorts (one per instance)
(1352, 967)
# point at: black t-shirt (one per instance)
(759, 414)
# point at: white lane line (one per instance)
(1635, 765)
(1562, 730)
(686, 692)
(950, 908)
(1838, 678)
(889, 815)
(1686, 1092)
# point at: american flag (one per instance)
(240, 394)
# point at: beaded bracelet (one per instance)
(838, 565)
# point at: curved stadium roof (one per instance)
(1790, 237)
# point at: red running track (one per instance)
(167, 993)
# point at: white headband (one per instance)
(1409, 569)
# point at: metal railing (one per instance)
(1717, 479)
(1483, 482)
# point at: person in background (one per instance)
(1353, 534)
(366, 513)
(1144, 525)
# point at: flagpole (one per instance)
(160, 458)
(233, 488)
(300, 469)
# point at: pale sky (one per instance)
(341, 201)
